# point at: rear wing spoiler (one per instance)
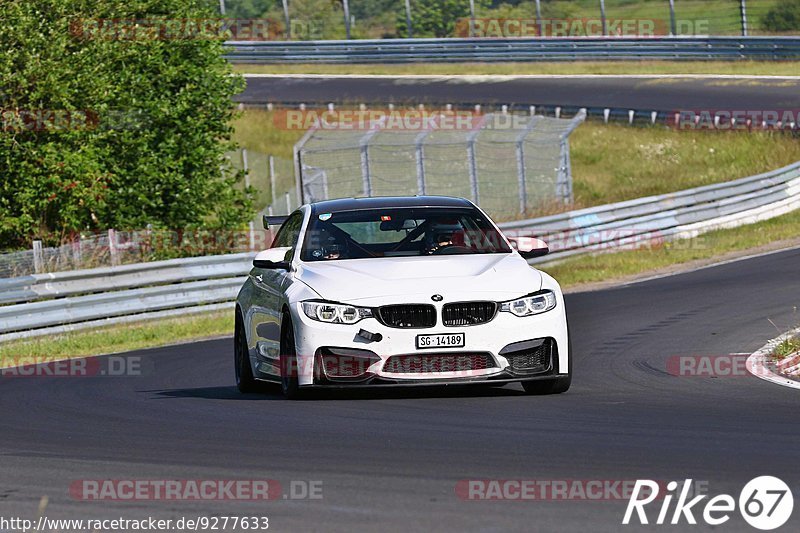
(274, 220)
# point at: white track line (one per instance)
(757, 362)
(504, 77)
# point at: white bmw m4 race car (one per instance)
(399, 291)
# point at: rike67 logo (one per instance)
(765, 503)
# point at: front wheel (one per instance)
(290, 383)
(245, 381)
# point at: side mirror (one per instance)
(530, 247)
(274, 258)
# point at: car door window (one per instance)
(289, 232)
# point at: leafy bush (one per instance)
(436, 18)
(783, 17)
(100, 131)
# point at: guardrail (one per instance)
(62, 301)
(515, 49)
(683, 214)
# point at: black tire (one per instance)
(245, 381)
(290, 384)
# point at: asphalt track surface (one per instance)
(625, 92)
(390, 460)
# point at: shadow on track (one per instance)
(272, 392)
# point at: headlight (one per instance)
(531, 305)
(335, 313)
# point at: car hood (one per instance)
(415, 279)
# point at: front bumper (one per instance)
(314, 341)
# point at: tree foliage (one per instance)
(134, 130)
(436, 18)
(783, 17)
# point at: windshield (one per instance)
(403, 232)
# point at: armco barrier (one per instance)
(515, 49)
(61, 301)
(675, 215)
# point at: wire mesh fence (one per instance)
(270, 177)
(509, 164)
(108, 248)
(376, 19)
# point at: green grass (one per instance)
(752, 68)
(610, 266)
(121, 338)
(260, 130)
(787, 347)
(611, 163)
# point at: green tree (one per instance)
(783, 17)
(436, 18)
(158, 110)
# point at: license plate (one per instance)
(443, 340)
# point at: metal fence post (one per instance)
(38, 260)
(325, 194)
(77, 253)
(245, 167)
(419, 154)
(564, 174)
(297, 155)
(673, 26)
(471, 17)
(288, 203)
(112, 247)
(298, 174)
(286, 18)
(346, 9)
(473, 170)
(523, 191)
(365, 177)
(539, 22)
(409, 26)
(743, 11)
(471, 161)
(603, 17)
(272, 177)
(521, 177)
(363, 143)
